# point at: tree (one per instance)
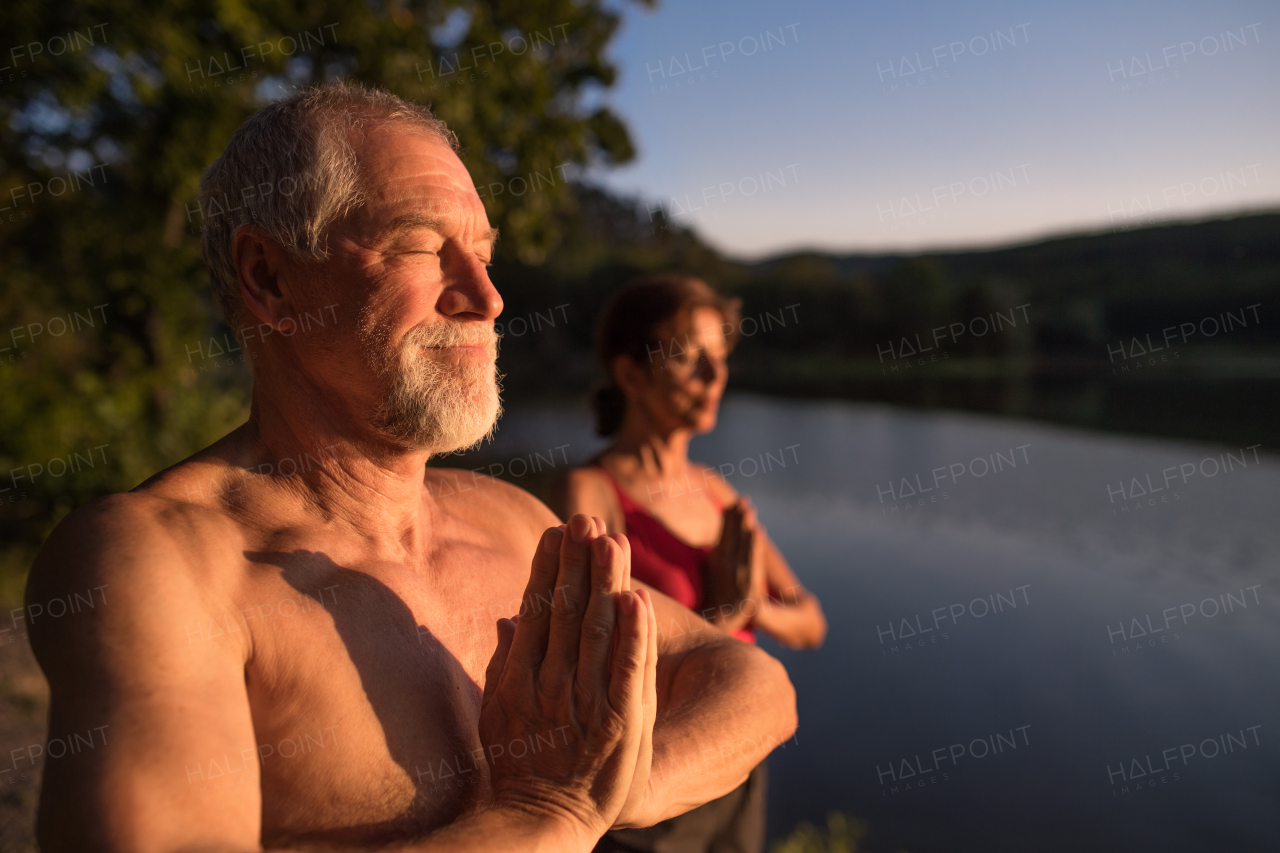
(109, 113)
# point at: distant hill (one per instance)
(1084, 292)
(1213, 241)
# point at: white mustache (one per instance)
(454, 335)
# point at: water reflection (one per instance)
(1041, 638)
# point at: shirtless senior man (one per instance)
(414, 723)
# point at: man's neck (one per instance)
(345, 471)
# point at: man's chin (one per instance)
(464, 437)
(457, 419)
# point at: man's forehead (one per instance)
(387, 146)
(412, 179)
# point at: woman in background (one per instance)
(663, 341)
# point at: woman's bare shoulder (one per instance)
(586, 490)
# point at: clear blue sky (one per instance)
(1010, 120)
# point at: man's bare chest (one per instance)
(364, 683)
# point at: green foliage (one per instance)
(109, 114)
(841, 836)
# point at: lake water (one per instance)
(1041, 639)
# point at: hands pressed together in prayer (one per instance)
(585, 666)
(735, 571)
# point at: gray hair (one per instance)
(291, 170)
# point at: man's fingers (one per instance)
(607, 579)
(626, 681)
(530, 644)
(497, 663)
(573, 590)
(625, 544)
(651, 663)
(649, 695)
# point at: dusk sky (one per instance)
(774, 126)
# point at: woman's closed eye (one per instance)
(688, 357)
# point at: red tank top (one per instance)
(665, 561)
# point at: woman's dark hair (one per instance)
(629, 326)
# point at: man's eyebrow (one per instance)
(411, 221)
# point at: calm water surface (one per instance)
(1041, 638)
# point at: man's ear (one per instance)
(260, 262)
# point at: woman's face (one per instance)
(687, 373)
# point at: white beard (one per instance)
(435, 403)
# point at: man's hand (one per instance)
(582, 673)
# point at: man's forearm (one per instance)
(503, 829)
(491, 830)
(726, 706)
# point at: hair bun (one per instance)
(609, 404)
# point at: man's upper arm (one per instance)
(715, 693)
(141, 712)
(685, 635)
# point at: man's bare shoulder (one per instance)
(161, 513)
(142, 552)
(213, 478)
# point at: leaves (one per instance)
(109, 113)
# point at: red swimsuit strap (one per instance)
(629, 503)
(653, 533)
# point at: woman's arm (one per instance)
(788, 612)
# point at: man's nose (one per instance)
(468, 290)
